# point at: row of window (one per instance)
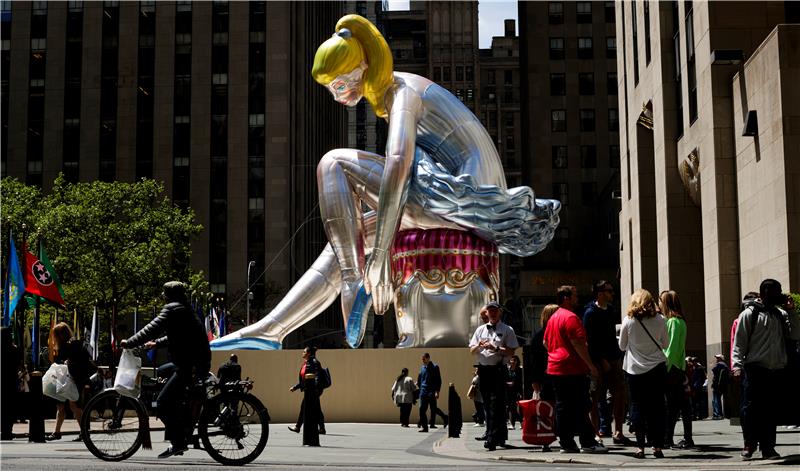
(588, 154)
(558, 84)
(462, 73)
(558, 120)
(583, 12)
(588, 193)
(585, 48)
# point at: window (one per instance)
(608, 8)
(39, 8)
(556, 48)
(587, 120)
(676, 50)
(492, 78)
(611, 47)
(437, 74)
(647, 33)
(38, 44)
(611, 84)
(613, 156)
(560, 159)
(561, 192)
(180, 161)
(635, 41)
(256, 120)
(562, 236)
(446, 74)
(690, 64)
(509, 119)
(613, 120)
(558, 85)
(558, 120)
(459, 73)
(470, 73)
(508, 77)
(585, 48)
(220, 39)
(183, 5)
(556, 11)
(586, 84)
(75, 6)
(588, 157)
(588, 193)
(584, 12)
(147, 6)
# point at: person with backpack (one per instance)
(760, 353)
(230, 371)
(312, 369)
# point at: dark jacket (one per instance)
(601, 332)
(429, 379)
(312, 366)
(182, 332)
(538, 369)
(79, 363)
(721, 376)
(229, 371)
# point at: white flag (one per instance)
(93, 336)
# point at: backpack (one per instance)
(324, 379)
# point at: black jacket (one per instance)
(182, 332)
(313, 366)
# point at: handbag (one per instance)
(129, 378)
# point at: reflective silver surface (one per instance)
(440, 170)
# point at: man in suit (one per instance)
(429, 383)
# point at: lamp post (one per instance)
(249, 293)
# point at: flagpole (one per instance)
(36, 338)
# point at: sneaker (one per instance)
(770, 454)
(477, 425)
(79, 438)
(172, 451)
(747, 454)
(684, 445)
(53, 436)
(595, 449)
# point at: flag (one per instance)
(114, 329)
(41, 279)
(222, 327)
(214, 323)
(15, 283)
(93, 344)
(209, 327)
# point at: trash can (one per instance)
(538, 422)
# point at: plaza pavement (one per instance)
(387, 446)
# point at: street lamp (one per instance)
(249, 293)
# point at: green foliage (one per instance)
(110, 243)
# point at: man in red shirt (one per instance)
(568, 363)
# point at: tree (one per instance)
(112, 243)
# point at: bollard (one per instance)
(36, 420)
(454, 412)
(311, 411)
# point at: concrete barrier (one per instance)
(362, 380)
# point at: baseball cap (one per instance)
(493, 305)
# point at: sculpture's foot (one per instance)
(264, 335)
(406, 341)
(355, 308)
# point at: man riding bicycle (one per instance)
(187, 344)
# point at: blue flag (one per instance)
(15, 284)
(223, 319)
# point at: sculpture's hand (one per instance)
(378, 277)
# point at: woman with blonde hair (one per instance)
(63, 349)
(643, 337)
(677, 382)
(542, 385)
(440, 170)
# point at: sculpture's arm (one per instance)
(406, 108)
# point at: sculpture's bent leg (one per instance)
(311, 295)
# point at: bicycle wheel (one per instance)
(234, 428)
(110, 425)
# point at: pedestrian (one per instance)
(429, 382)
(542, 383)
(474, 393)
(230, 371)
(677, 385)
(699, 384)
(514, 391)
(68, 351)
(643, 337)
(9, 383)
(494, 344)
(311, 369)
(24, 393)
(600, 321)
(569, 364)
(403, 395)
(760, 352)
(181, 331)
(719, 386)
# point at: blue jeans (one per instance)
(716, 404)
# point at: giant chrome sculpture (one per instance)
(439, 213)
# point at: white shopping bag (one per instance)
(129, 378)
(58, 384)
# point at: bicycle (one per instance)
(231, 423)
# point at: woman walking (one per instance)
(677, 382)
(403, 395)
(514, 391)
(308, 382)
(66, 350)
(643, 337)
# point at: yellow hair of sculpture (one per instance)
(342, 53)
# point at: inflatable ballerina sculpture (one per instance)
(440, 178)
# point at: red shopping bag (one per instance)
(538, 422)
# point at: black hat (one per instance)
(493, 305)
(175, 291)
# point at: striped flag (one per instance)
(93, 343)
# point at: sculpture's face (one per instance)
(348, 89)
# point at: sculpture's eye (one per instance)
(339, 86)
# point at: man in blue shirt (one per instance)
(429, 383)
